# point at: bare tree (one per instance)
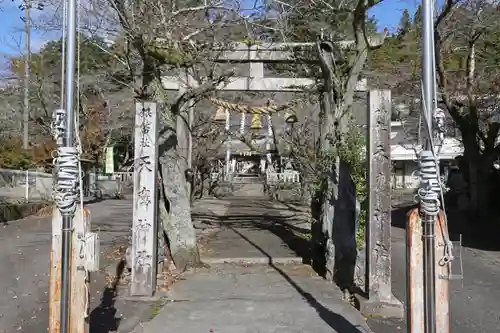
(341, 65)
(207, 140)
(166, 36)
(466, 49)
(104, 110)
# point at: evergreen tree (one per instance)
(404, 23)
(418, 18)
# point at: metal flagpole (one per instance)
(68, 143)
(26, 104)
(428, 200)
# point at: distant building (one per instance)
(405, 138)
(239, 155)
(404, 157)
(406, 129)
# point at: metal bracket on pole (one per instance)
(457, 260)
(92, 244)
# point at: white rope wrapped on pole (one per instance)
(66, 190)
(429, 191)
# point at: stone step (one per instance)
(248, 190)
(247, 180)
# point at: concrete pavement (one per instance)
(24, 279)
(242, 296)
(230, 297)
(272, 298)
(256, 230)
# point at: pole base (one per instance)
(387, 308)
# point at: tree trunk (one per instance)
(178, 225)
(183, 149)
(477, 173)
(175, 205)
(175, 211)
(337, 208)
(329, 190)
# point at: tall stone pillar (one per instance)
(381, 301)
(227, 167)
(269, 141)
(144, 224)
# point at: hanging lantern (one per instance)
(291, 118)
(220, 115)
(256, 122)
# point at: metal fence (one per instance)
(35, 185)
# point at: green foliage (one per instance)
(93, 56)
(405, 24)
(399, 50)
(170, 55)
(351, 151)
(47, 62)
(399, 59)
(13, 156)
(418, 18)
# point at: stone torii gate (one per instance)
(144, 240)
(255, 56)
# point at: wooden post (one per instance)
(381, 301)
(243, 123)
(79, 274)
(55, 272)
(415, 276)
(144, 225)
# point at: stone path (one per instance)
(244, 290)
(272, 298)
(255, 230)
(221, 298)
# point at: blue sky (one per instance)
(387, 14)
(12, 27)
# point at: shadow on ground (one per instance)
(295, 237)
(476, 233)
(103, 318)
(337, 322)
(294, 206)
(289, 222)
(92, 200)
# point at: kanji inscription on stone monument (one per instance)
(144, 233)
